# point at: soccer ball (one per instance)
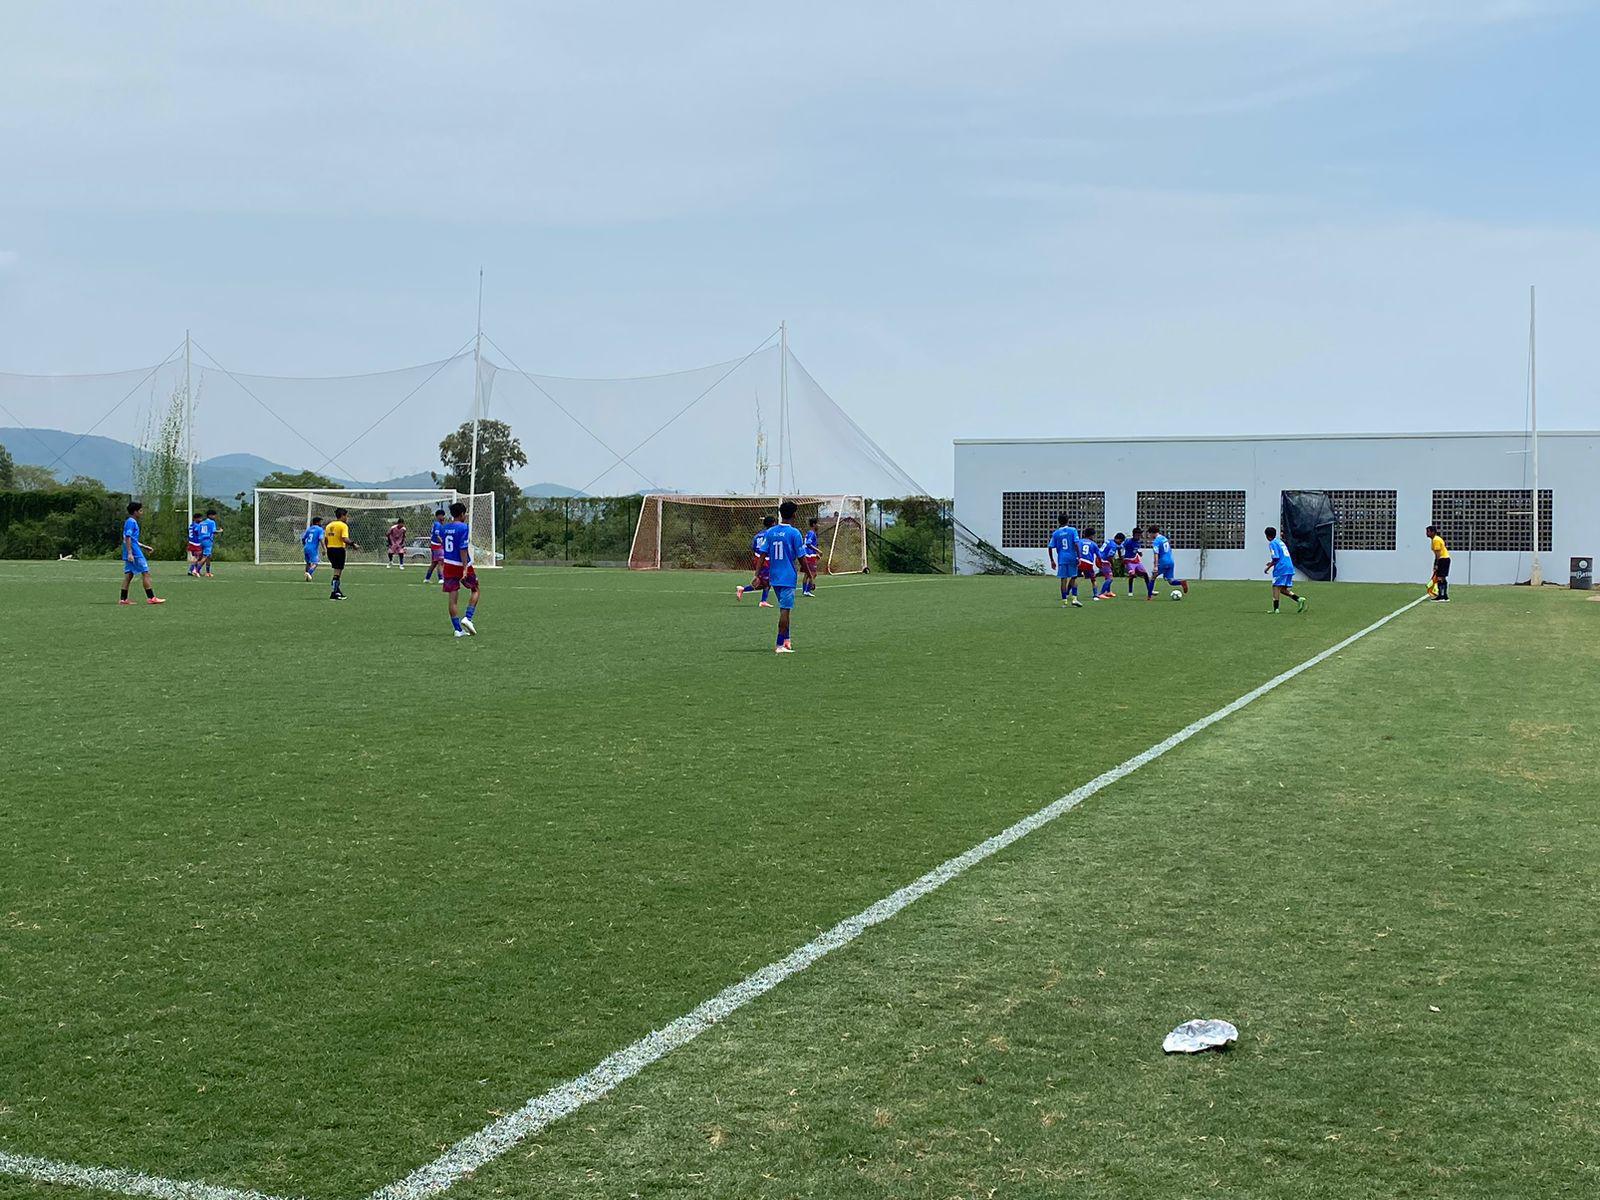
(1176, 594)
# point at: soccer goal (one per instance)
(715, 531)
(282, 515)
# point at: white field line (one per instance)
(110, 1179)
(500, 1136)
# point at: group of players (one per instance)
(450, 555)
(779, 554)
(1076, 555)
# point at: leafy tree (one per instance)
(499, 453)
(296, 479)
(29, 478)
(8, 470)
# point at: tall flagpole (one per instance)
(783, 403)
(477, 398)
(188, 429)
(1535, 575)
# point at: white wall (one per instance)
(1412, 465)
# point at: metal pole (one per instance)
(477, 406)
(783, 402)
(188, 429)
(1535, 575)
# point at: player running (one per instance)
(783, 546)
(396, 539)
(1166, 566)
(436, 547)
(133, 560)
(311, 543)
(337, 538)
(808, 559)
(759, 563)
(1281, 567)
(1063, 552)
(1133, 563)
(209, 529)
(457, 566)
(193, 546)
(1439, 585)
(1106, 554)
(1088, 560)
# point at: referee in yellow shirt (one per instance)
(1441, 565)
(338, 539)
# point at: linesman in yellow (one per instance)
(338, 539)
(1439, 585)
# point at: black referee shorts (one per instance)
(336, 558)
(1441, 568)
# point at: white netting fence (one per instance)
(715, 531)
(283, 514)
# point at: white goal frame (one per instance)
(321, 502)
(837, 559)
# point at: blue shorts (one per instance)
(785, 596)
(313, 560)
(1167, 571)
(205, 549)
(1067, 571)
(1283, 581)
(135, 566)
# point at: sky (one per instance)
(977, 220)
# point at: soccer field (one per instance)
(299, 894)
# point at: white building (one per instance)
(1214, 496)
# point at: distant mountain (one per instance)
(549, 491)
(112, 463)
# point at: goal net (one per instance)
(715, 531)
(282, 515)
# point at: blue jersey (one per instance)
(758, 544)
(436, 537)
(811, 543)
(454, 537)
(783, 546)
(1130, 548)
(311, 539)
(1282, 564)
(1064, 542)
(1163, 549)
(130, 549)
(194, 533)
(208, 531)
(1108, 551)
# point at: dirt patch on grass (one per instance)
(1532, 731)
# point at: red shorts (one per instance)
(436, 553)
(194, 547)
(1085, 567)
(455, 575)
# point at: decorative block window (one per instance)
(1196, 520)
(1491, 518)
(1028, 518)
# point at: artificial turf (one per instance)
(299, 892)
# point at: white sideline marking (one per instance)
(495, 1139)
(110, 1179)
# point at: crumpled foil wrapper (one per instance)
(1194, 1036)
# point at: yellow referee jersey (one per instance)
(339, 536)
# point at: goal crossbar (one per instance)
(282, 515)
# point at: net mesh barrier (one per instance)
(715, 531)
(750, 426)
(282, 515)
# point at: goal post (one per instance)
(282, 515)
(715, 531)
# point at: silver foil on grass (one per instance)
(1194, 1036)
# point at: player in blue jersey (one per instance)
(759, 563)
(436, 547)
(1133, 564)
(1281, 567)
(1106, 555)
(1063, 552)
(783, 545)
(208, 540)
(456, 540)
(1089, 560)
(192, 545)
(133, 560)
(311, 543)
(809, 559)
(1166, 566)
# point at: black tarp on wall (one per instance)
(1307, 527)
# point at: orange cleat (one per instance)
(155, 600)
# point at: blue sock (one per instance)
(764, 592)
(455, 623)
(471, 608)
(1072, 589)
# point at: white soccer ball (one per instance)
(1176, 594)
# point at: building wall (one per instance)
(1412, 465)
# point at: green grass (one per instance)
(298, 893)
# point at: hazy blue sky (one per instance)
(978, 219)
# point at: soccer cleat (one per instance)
(124, 602)
(1301, 603)
(461, 633)
(738, 593)
(155, 600)
(1065, 603)
(784, 649)
(1075, 602)
(765, 604)
(1273, 611)
(466, 623)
